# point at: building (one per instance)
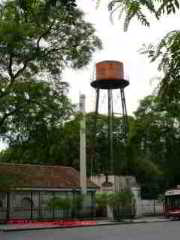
(26, 189)
(114, 183)
(118, 184)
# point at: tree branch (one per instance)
(37, 47)
(10, 67)
(23, 68)
(44, 34)
(6, 115)
(11, 75)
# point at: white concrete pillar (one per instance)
(137, 196)
(83, 178)
(109, 212)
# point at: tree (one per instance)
(155, 139)
(7, 182)
(167, 54)
(131, 9)
(36, 131)
(59, 144)
(98, 145)
(38, 39)
(34, 104)
(50, 138)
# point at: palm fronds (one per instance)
(167, 52)
(130, 9)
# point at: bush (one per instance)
(66, 203)
(122, 203)
(62, 203)
(101, 199)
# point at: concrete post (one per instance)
(109, 212)
(83, 178)
(137, 197)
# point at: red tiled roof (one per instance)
(42, 176)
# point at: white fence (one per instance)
(151, 207)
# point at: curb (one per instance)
(81, 226)
(57, 227)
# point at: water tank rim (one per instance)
(110, 61)
(110, 83)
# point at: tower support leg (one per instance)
(125, 117)
(93, 157)
(110, 130)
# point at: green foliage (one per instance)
(168, 57)
(130, 9)
(66, 203)
(155, 140)
(164, 109)
(168, 7)
(120, 199)
(98, 148)
(38, 40)
(101, 199)
(61, 203)
(30, 105)
(153, 146)
(77, 202)
(115, 199)
(35, 131)
(8, 181)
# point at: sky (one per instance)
(120, 46)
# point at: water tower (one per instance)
(110, 76)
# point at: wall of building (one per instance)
(119, 183)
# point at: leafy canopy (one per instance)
(130, 9)
(167, 54)
(38, 39)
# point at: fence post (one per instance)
(93, 205)
(31, 205)
(7, 205)
(154, 207)
(39, 205)
(53, 210)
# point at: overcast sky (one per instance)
(120, 46)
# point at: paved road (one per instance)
(147, 231)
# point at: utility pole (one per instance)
(83, 178)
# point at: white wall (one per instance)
(151, 207)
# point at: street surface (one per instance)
(141, 231)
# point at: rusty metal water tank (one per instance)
(109, 75)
